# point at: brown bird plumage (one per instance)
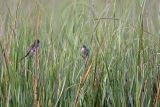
(34, 47)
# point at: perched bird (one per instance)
(84, 52)
(34, 47)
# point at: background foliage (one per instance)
(123, 65)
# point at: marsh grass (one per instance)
(123, 64)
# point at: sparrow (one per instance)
(84, 52)
(34, 47)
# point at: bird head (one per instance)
(37, 41)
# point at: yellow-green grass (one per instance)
(123, 64)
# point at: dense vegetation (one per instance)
(122, 69)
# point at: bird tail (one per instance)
(24, 56)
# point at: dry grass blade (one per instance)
(105, 18)
(6, 76)
(35, 79)
(86, 75)
(157, 95)
(82, 80)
